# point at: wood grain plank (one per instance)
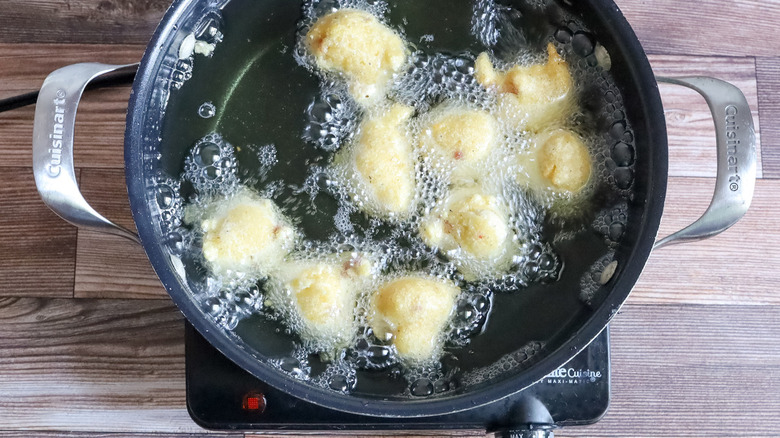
(691, 130)
(45, 434)
(37, 248)
(692, 371)
(736, 267)
(80, 21)
(406, 434)
(92, 366)
(109, 266)
(116, 366)
(663, 26)
(23, 67)
(100, 124)
(709, 27)
(768, 78)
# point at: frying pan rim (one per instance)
(135, 141)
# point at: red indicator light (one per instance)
(254, 401)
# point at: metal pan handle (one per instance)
(53, 131)
(736, 143)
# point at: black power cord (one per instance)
(23, 100)
(18, 101)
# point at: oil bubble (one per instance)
(481, 303)
(267, 159)
(369, 352)
(176, 243)
(182, 72)
(167, 195)
(563, 35)
(422, 388)
(207, 153)
(617, 130)
(207, 110)
(379, 355)
(341, 383)
(612, 223)
(623, 154)
(616, 231)
(294, 367)
(331, 118)
(211, 167)
(582, 43)
(540, 265)
(624, 177)
(441, 386)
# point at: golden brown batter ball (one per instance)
(460, 137)
(356, 44)
(530, 97)
(383, 162)
(414, 310)
(558, 161)
(324, 295)
(472, 228)
(246, 234)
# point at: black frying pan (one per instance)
(543, 326)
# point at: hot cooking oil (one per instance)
(257, 113)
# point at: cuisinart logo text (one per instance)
(57, 133)
(572, 376)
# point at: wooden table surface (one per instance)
(90, 344)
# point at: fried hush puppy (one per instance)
(323, 294)
(382, 164)
(245, 234)
(413, 311)
(472, 228)
(357, 45)
(557, 161)
(530, 97)
(460, 137)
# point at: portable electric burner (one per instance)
(220, 395)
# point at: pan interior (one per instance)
(259, 95)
